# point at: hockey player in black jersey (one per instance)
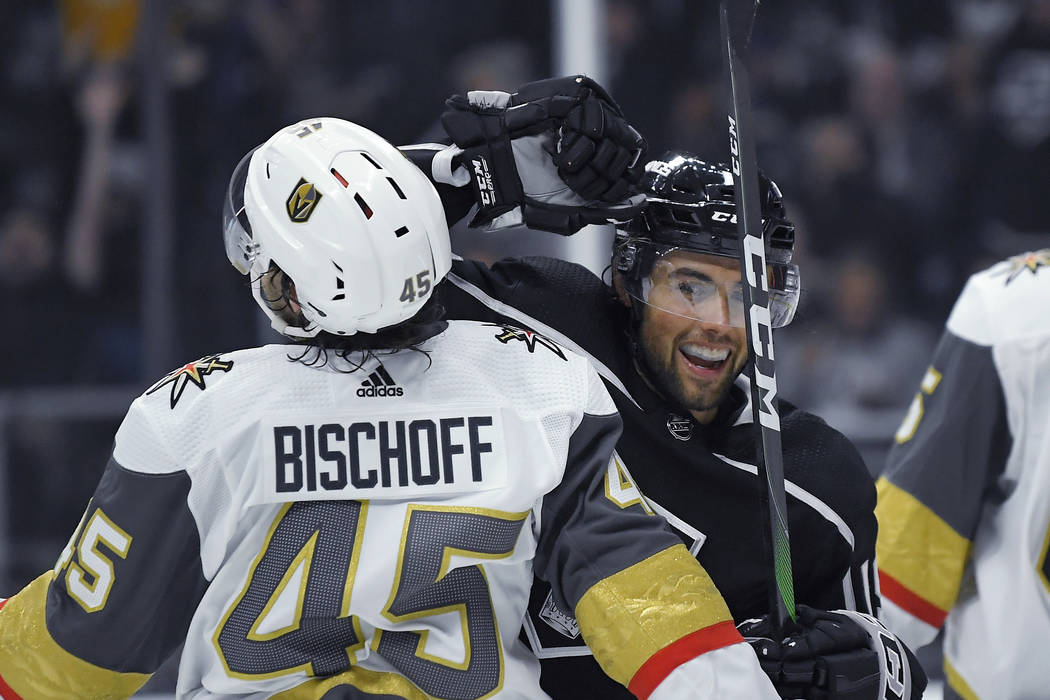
(666, 336)
(303, 539)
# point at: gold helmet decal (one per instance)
(302, 201)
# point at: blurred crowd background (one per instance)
(911, 141)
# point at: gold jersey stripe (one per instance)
(957, 682)
(633, 614)
(917, 548)
(36, 667)
(367, 681)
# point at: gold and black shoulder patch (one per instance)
(1026, 261)
(531, 339)
(302, 201)
(194, 373)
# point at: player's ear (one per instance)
(621, 292)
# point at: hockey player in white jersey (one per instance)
(361, 516)
(964, 505)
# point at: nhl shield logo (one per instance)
(302, 201)
(680, 428)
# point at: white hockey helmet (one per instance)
(355, 225)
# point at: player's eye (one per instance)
(695, 290)
(691, 290)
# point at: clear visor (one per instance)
(708, 288)
(236, 229)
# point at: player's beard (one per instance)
(692, 393)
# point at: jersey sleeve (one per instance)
(853, 513)
(477, 292)
(831, 510)
(539, 290)
(436, 162)
(562, 300)
(949, 452)
(840, 583)
(860, 587)
(644, 605)
(120, 598)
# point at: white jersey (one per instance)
(964, 506)
(365, 531)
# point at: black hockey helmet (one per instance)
(692, 208)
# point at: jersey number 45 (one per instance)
(312, 554)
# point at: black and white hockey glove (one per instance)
(556, 155)
(836, 655)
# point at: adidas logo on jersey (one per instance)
(380, 383)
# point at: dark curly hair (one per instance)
(359, 348)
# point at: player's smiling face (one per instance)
(691, 336)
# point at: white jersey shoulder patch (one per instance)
(1005, 301)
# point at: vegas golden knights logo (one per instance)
(302, 201)
(529, 338)
(193, 373)
(1032, 262)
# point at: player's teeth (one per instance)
(705, 353)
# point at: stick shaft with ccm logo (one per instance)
(736, 18)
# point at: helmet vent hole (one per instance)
(401, 231)
(396, 188)
(369, 159)
(339, 284)
(267, 171)
(340, 178)
(689, 218)
(364, 205)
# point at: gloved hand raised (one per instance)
(836, 655)
(555, 155)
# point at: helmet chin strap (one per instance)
(277, 320)
(633, 331)
(286, 329)
(634, 324)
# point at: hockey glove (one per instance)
(836, 655)
(556, 155)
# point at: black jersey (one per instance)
(701, 478)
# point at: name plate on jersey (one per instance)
(409, 454)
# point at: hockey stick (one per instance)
(736, 18)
